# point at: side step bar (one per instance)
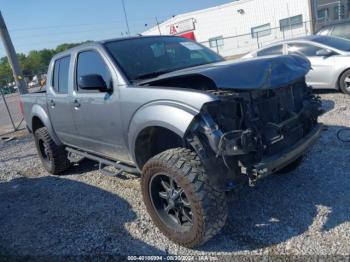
(102, 163)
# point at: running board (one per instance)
(102, 163)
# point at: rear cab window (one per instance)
(61, 75)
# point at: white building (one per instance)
(244, 25)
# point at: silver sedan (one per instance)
(329, 57)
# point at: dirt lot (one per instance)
(306, 212)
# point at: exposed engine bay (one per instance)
(245, 127)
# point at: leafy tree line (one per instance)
(36, 62)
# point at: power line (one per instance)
(126, 18)
(67, 40)
(64, 33)
(76, 25)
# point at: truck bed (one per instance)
(31, 100)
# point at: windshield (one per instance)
(335, 42)
(147, 57)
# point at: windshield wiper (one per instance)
(153, 74)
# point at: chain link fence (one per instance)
(11, 118)
(236, 46)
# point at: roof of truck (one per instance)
(132, 37)
(101, 42)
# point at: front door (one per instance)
(97, 114)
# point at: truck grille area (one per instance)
(283, 116)
(278, 118)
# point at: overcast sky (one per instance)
(38, 24)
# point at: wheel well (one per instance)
(154, 140)
(36, 124)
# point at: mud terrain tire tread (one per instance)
(209, 207)
(59, 161)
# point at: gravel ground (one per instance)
(305, 212)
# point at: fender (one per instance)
(172, 115)
(39, 112)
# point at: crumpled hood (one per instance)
(257, 73)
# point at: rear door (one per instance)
(97, 114)
(321, 74)
(58, 101)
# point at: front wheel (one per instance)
(180, 199)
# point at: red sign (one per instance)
(173, 30)
(189, 35)
(182, 27)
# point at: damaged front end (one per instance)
(253, 133)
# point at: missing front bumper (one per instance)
(276, 162)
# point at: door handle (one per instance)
(52, 103)
(76, 103)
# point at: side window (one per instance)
(325, 30)
(304, 49)
(90, 62)
(55, 75)
(342, 31)
(275, 50)
(61, 75)
(216, 42)
(260, 31)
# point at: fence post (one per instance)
(8, 110)
(217, 46)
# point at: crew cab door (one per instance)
(96, 113)
(321, 74)
(58, 99)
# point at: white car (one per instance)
(329, 57)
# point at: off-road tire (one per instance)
(209, 206)
(56, 160)
(291, 167)
(342, 85)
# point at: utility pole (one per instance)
(126, 18)
(160, 32)
(12, 57)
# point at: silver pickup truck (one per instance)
(193, 125)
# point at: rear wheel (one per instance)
(344, 82)
(180, 199)
(53, 157)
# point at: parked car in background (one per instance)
(171, 109)
(337, 30)
(329, 57)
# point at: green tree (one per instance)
(36, 62)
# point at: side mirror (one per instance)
(93, 82)
(324, 52)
